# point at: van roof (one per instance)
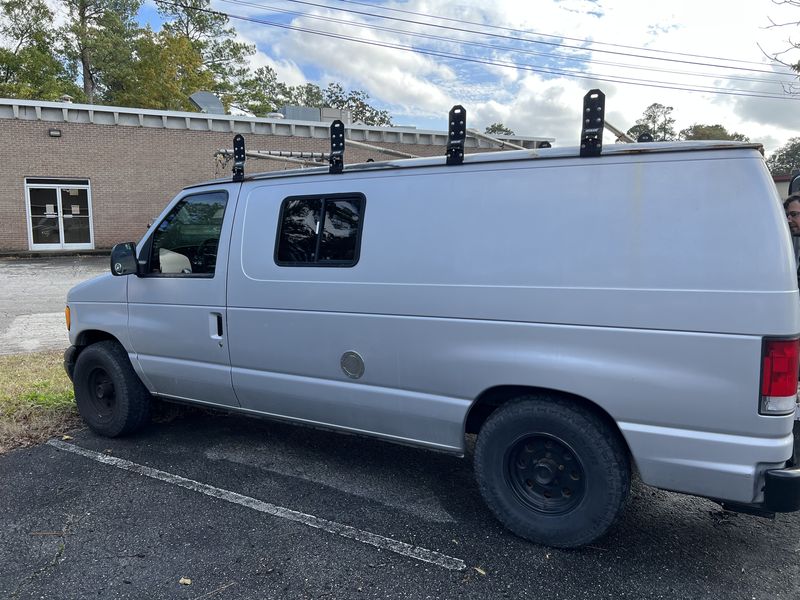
(503, 156)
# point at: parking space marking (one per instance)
(346, 531)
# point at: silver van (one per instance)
(584, 312)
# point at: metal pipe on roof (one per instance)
(389, 151)
(494, 140)
(296, 154)
(288, 159)
(621, 135)
(257, 154)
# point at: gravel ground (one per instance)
(32, 297)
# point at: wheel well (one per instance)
(490, 400)
(92, 336)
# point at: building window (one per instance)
(59, 213)
(320, 231)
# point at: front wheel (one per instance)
(111, 398)
(552, 472)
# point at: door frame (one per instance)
(58, 184)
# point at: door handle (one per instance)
(215, 325)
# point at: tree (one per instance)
(262, 93)
(710, 132)
(790, 88)
(166, 70)
(29, 64)
(498, 129)
(100, 39)
(786, 158)
(357, 102)
(657, 121)
(211, 35)
(259, 93)
(308, 94)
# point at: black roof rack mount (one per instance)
(336, 158)
(594, 106)
(456, 134)
(239, 156)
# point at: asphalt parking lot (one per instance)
(32, 297)
(243, 508)
(255, 509)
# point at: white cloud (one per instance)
(421, 88)
(286, 70)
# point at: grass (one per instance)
(36, 399)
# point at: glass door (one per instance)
(59, 215)
(75, 223)
(44, 228)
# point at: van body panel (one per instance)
(639, 258)
(666, 379)
(644, 281)
(102, 288)
(388, 412)
(100, 304)
(703, 463)
(642, 298)
(173, 322)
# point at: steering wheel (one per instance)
(206, 255)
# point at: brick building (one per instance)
(80, 177)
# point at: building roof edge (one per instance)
(68, 112)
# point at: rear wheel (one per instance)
(110, 397)
(552, 472)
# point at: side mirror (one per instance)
(123, 259)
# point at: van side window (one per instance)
(185, 242)
(320, 231)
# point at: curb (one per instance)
(54, 253)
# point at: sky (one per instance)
(528, 63)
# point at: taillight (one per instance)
(779, 365)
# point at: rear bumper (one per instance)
(782, 486)
(724, 467)
(782, 489)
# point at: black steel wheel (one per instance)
(545, 474)
(552, 471)
(102, 397)
(111, 398)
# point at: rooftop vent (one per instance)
(206, 102)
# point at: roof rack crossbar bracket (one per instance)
(239, 156)
(456, 135)
(594, 106)
(336, 159)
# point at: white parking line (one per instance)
(379, 541)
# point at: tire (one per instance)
(111, 399)
(551, 472)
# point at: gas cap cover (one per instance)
(352, 364)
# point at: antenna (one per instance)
(206, 102)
